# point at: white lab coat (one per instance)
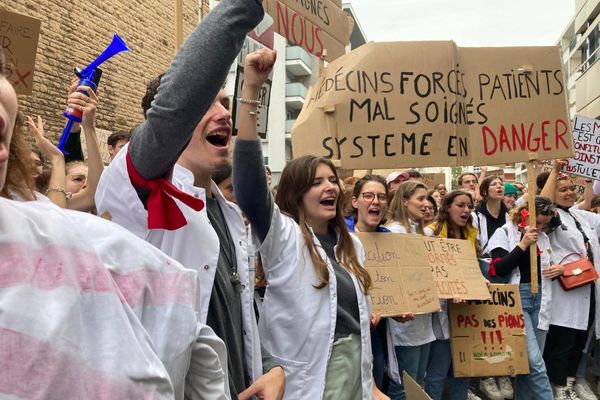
(507, 238)
(195, 246)
(411, 333)
(570, 309)
(483, 236)
(297, 323)
(66, 328)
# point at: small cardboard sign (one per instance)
(488, 337)
(402, 279)
(315, 27)
(262, 113)
(455, 269)
(586, 141)
(430, 104)
(412, 389)
(19, 36)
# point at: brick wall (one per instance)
(74, 32)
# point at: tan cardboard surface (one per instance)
(412, 389)
(324, 26)
(19, 39)
(455, 269)
(488, 339)
(586, 141)
(402, 279)
(426, 104)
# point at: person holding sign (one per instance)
(509, 248)
(369, 202)
(410, 339)
(454, 221)
(315, 318)
(573, 310)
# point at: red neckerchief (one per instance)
(163, 212)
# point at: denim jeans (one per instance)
(438, 369)
(413, 360)
(379, 349)
(534, 385)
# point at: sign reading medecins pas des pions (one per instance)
(418, 104)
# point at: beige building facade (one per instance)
(73, 33)
(580, 44)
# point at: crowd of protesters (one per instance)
(178, 272)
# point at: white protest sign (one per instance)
(586, 142)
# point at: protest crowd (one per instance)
(178, 272)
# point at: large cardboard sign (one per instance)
(586, 141)
(314, 25)
(427, 104)
(455, 269)
(264, 96)
(412, 272)
(402, 279)
(488, 337)
(19, 39)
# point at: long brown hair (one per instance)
(19, 172)
(398, 212)
(443, 217)
(296, 179)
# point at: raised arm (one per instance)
(550, 186)
(84, 199)
(190, 85)
(249, 178)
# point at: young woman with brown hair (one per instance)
(315, 319)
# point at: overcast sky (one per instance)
(467, 22)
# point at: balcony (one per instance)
(289, 123)
(297, 61)
(295, 93)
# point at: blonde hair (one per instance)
(398, 212)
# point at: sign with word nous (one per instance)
(586, 140)
(488, 337)
(19, 40)
(315, 25)
(428, 104)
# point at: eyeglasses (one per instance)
(469, 206)
(369, 196)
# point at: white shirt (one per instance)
(297, 324)
(507, 238)
(410, 333)
(195, 246)
(571, 309)
(65, 324)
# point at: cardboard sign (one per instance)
(428, 104)
(264, 96)
(315, 26)
(586, 141)
(402, 279)
(412, 389)
(488, 337)
(19, 39)
(455, 269)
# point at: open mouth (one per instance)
(328, 202)
(374, 212)
(218, 138)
